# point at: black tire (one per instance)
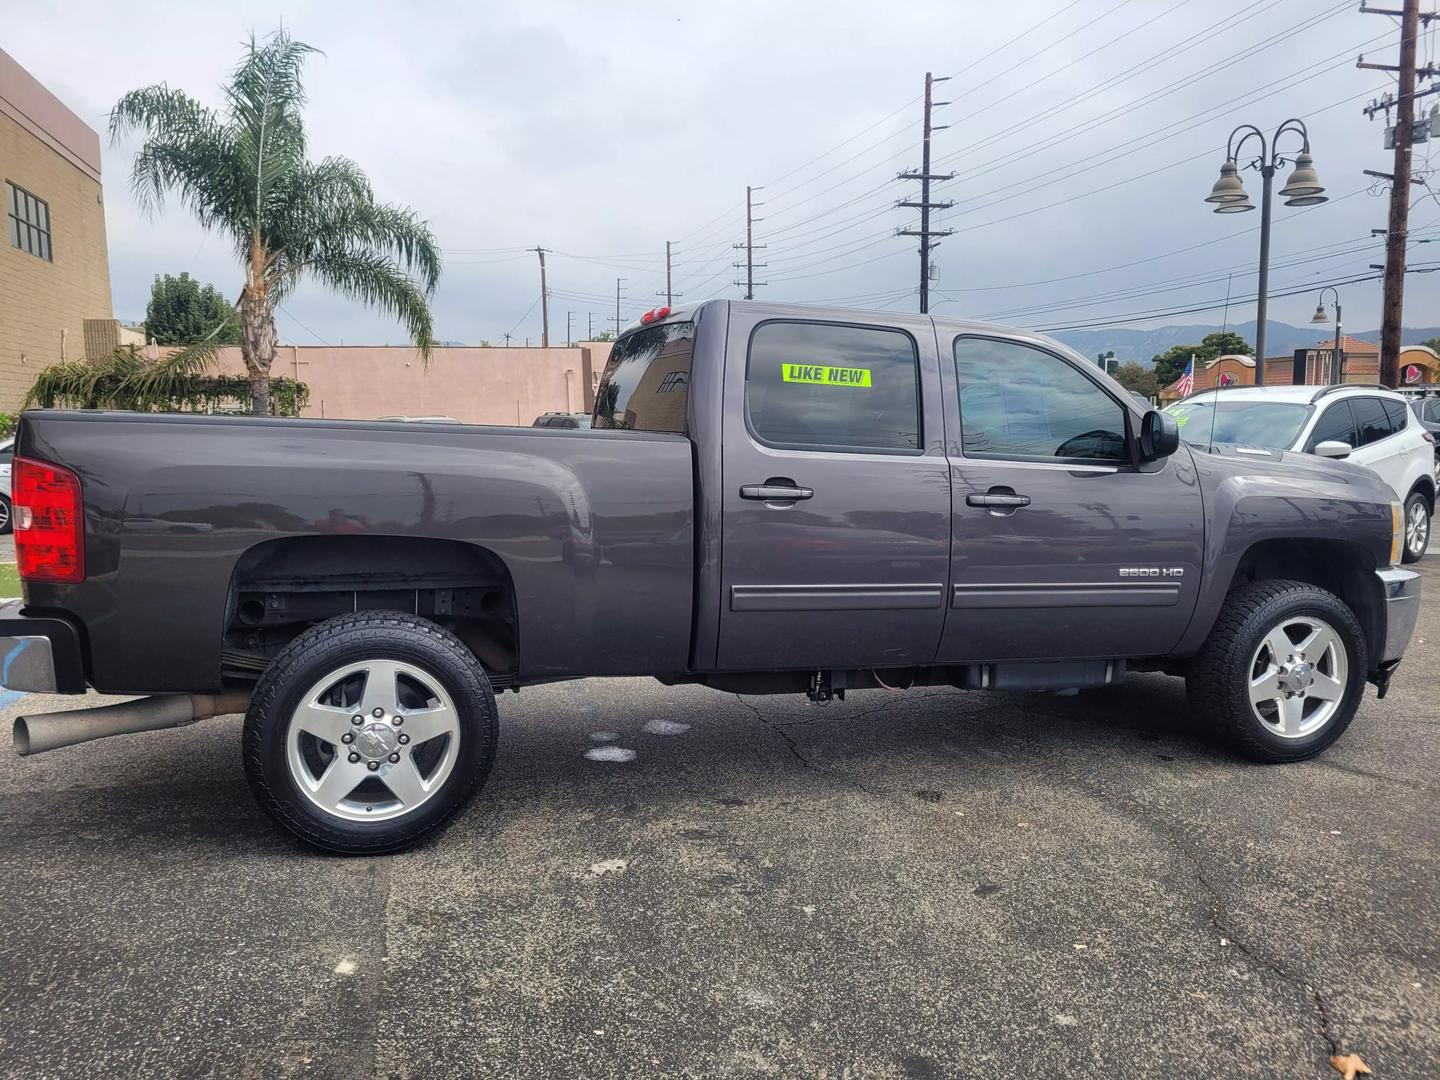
(1414, 547)
(1218, 683)
(351, 639)
(7, 516)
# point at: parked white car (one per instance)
(1367, 425)
(7, 455)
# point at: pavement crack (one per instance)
(779, 730)
(377, 982)
(1221, 918)
(1354, 770)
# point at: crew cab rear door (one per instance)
(1064, 548)
(835, 542)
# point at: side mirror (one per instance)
(1332, 448)
(1159, 436)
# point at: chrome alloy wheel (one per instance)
(1417, 528)
(1298, 676)
(373, 740)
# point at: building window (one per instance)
(29, 221)
(676, 380)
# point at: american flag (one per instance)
(1187, 381)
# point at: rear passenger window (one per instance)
(1395, 410)
(825, 386)
(1372, 423)
(1017, 401)
(1334, 425)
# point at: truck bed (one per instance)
(593, 530)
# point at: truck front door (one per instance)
(835, 543)
(1063, 547)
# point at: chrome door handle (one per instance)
(776, 492)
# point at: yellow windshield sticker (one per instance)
(825, 376)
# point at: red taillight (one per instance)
(49, 523)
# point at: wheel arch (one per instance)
(1426, 486)
(1337, 566)
(281, 587)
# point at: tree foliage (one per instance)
(1170, 364)
(180, 382)
(184, 312)
(242, 171)
(1137, 377)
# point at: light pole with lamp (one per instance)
(1303, 189)
(1337, 365)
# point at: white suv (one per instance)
(1367, 425)
(7, 454)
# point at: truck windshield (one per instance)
(646, 384)
(1269, 424)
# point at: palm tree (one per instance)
(242, 171)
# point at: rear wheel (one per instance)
(369, 732)
(1417, 527)
(1282, 672)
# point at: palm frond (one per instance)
(376, 281)
(332, 210)
(123, 380)
(265, 98)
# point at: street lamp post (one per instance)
(1303, 189)
(1337, 365)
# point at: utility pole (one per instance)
(1397, 235)
(669, 294)
(569, 317)
(925, 233)
(507, 340)
(618, 280)
(590, 326)
(544, 302)
(749, 246)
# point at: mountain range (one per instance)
(1281, 339)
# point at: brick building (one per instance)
(54, 266)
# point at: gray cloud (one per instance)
(601, 130)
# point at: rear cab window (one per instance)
(833, 386)
(646, 382)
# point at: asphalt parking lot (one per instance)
(929, 884)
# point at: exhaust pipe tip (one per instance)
(21, 734)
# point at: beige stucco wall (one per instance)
(47, 150)
(474, 385)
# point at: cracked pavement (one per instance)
(921, 884)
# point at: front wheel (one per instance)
(1282, 672)
(369, 732)
(1417, 527)
(7, 516)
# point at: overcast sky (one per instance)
(1085, 136)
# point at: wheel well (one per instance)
(282, 587)
(1337, 566)
(1426, 486)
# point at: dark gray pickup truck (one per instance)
(773, 498)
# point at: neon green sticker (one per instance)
(1181, 420)
(825, 376)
